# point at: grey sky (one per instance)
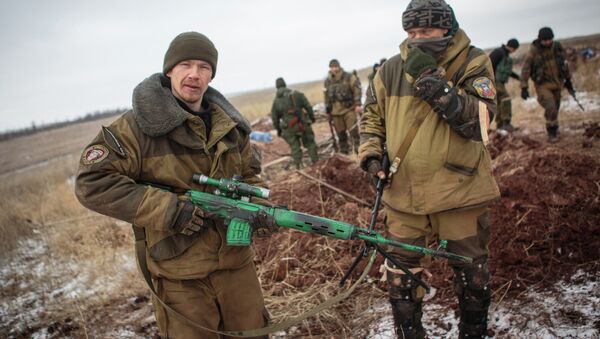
(63, 59)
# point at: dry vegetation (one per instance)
(51, 244)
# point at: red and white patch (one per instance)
(94, 154)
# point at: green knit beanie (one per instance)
(190, 46)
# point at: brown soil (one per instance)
(544, 227)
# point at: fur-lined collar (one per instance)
(157, 112)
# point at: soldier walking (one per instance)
(292, 117)
(431, 104)
(546, 65)
(503, 70)
(343, 104)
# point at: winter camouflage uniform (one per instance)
(292, 117)
(548, 69)
(159, 142)
(342, 95)
(502, 64)
(444, 183)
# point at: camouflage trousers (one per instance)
(549, 98)
(225, 300)
(295, 137)
(467, 233)
(345, 124)
(504, 105)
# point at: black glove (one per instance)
(328, 109)
(279, 132)
(417, 62)
(442, 98)
(263, 224)
(374, 167)
(190, 219)
(524, 93)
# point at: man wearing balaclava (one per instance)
(546, 65)
(431, 105)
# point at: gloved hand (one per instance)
(524, 93)
(442, 98)
(189, 219)
(279, 132)
(328, 109)
(373, 168)
(263, 224)
(417, 62)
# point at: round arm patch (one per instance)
(94, 154)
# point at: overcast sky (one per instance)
(62, 59)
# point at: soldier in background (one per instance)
(292, 117)
(376, 68)
(503, 70)
(343, 104)
(546, 65)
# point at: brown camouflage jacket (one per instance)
(159, 142)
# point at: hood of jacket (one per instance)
(157, 112)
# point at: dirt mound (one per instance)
(547, 222)
(545, 226)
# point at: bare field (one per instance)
(23, 152)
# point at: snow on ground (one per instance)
(568, 311)
(33, 284)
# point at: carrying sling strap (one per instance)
(140, 252)
(414, 128)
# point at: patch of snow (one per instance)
(568, 311)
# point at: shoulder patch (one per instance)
(94, 154)
(484, 87)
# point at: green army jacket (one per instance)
(290, 105)
(441, 170)
(159, 142)
(342, 92)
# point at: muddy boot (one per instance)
(552, 133)
(343, 141)
(471, 288)
(406, 306)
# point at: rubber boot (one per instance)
(471, 288)
(407, 306)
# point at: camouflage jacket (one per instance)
(342, 92)
(545, 65)
(159, 142)
(288, 106)
(502, 64)
(442, 170)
